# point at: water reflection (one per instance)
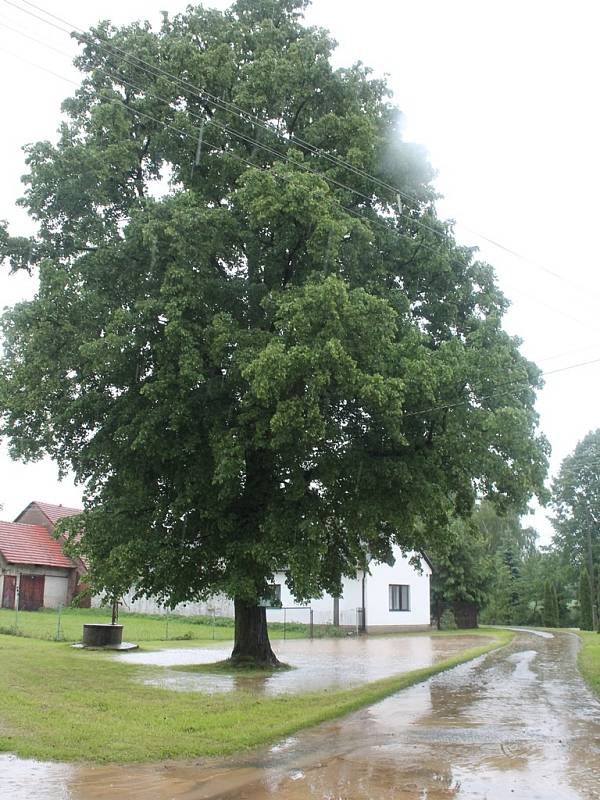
(518, 723)
(318, 663)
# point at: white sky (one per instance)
(502, 93)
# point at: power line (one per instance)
(145, 66)
(228, 152)
(189, 135)
(242, 113)
(373, 221)
(517, 385)
(567, 353)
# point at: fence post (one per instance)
(167, 626)
(58, 631)
(311, 624)
(284, 619)
(214, 615)
(17, 595)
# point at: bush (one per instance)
(448, 621)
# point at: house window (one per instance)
(399, 597)
(276, 589)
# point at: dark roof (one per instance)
(31, 544)
(426, 559)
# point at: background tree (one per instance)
(586, 622)
(550, 611)
(462, 574)
(246, 350)
(512, 551)
(576, 500)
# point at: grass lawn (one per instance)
(44, 624)
(589, 659)
(61, 704)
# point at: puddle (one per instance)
(518, 723)
(541, 634)
(319, 663)
(24, 778)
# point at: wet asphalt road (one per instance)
(518, 723)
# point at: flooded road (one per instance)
(517, 723)
(318, 663)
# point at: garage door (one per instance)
(31, 592)
(8, 591)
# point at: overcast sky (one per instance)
(502, 93)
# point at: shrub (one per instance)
(448, 621)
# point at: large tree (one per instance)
(576, 500)
(253, 341)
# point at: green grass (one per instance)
(137, 627)
(589, 659)
(61, 704)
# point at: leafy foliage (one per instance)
(576, 500)
(463, 569)
(261, 365)
(550, 611)
(585, 602)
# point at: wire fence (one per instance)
(65, 624)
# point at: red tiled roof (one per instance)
(54, 513)
(31, 544)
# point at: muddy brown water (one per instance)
(517, 723)
(318, 663)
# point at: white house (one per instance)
(384, 599)
(394, 598)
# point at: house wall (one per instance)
(56, 583)
(219, 605)
(379, 617)
(322, 607)
(34, 516)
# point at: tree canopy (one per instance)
(246, 347)
(576, 500)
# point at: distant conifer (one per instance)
(550, 613)
(585, 601)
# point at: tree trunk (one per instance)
(252, 646)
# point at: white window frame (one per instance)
(399, 592)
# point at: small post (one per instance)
(284, 620)
(58, 631)
(167, 626)
(17, 596)
(214, 614)
(311, 624)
